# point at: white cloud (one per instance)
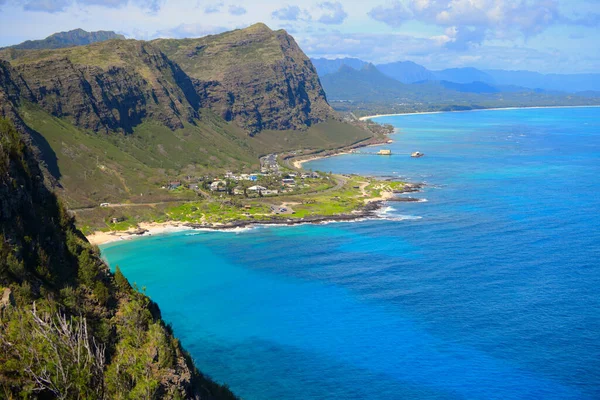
(434, 32)
(189, 31)
(334, 13)
(291, 13)
(54, 6)
(213, 8)
(237, 10)
(471, 21)
(49, 6)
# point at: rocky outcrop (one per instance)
(7, 300)
(257, 77)
(110, 86)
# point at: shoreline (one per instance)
(145, 229)
(98, 238)
(475, 109)
(299, 162)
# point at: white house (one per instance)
(257, 188)
(218, 186)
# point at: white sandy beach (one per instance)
(153, 228)
(462, 111)
(298, 163)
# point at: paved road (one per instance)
(117, 205)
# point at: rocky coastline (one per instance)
(367, 211)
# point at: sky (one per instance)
(548, 36)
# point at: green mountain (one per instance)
(257, 77)
(326, 66)
(367, 84)
(116, 120)
(76, 37)
(69, 327)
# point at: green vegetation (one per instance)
(325, 136)
(331, 195)
(210, 57)
(70, 328)
(96, 167)
(101, 54)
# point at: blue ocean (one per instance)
(488, 290)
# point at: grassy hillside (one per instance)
(211, 57)
(94, 168)
(108, 86)
(327, 135)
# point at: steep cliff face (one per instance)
(256, 77)
(69, 328)
(12, 89)
(108, 86)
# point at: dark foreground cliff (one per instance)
(69, 328)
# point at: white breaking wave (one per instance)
(383, 212)
(403, 218)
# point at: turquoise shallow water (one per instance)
(490, 290)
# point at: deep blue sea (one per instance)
(489, 290)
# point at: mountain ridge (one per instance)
(369, 91)
(75, 37)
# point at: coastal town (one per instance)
(271, 180)
(281, 192)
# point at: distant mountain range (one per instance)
(76, 37)
(410, 72)
(368, 91)
(407, 72)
